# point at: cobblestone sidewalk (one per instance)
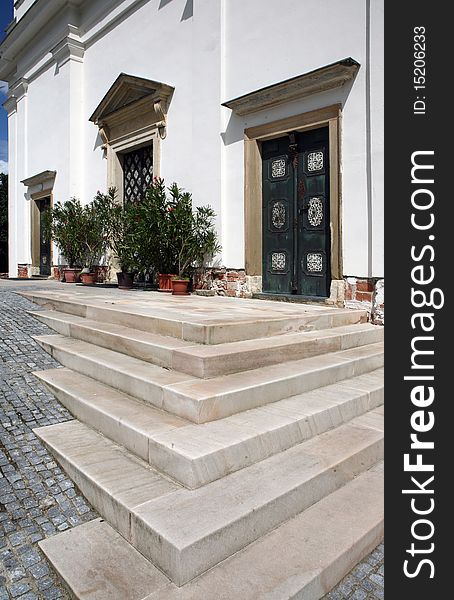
(37, 499)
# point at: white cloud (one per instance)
(3, 87)
(3, 166)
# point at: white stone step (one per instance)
(120, 417)
(206, 400)
(198, 454)
(186, 532)
(112, 479)
(207, 361)
(303, 558)
(150, 347)
(203, 400)
(197, 319)
(130, 375)
(96, 563)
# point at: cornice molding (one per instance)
(320, 80)
(70, 48)
(45, 180)
(15, 94)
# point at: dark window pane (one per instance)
(137, 173)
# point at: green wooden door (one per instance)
(44, 240)
(278, 216)
(296, 240)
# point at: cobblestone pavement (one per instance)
(37, 499)
(365, 581)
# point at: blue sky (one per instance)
(6, 15)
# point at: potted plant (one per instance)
(122, 234)
(196, 241)
(63, 224)
(94, 235)
(179, 240)
(156, 244)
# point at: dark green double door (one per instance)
(44, 240)
(296, 224)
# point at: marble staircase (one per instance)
(219, 440)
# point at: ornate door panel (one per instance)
(313, 214)
(296, 242)
(44, 241)
(278, 217)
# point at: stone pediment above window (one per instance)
(320, 80)
(42, 182)
(130, 104)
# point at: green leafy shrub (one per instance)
(63, 224)
(174, 237)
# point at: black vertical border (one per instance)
(406, 133)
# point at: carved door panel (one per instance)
(44, 240)
(296, 226)
(278, 217)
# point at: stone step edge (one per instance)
(162, 453)
(208, 361)
(309, 562)
(191, 330)
(184, 555)
(185, 558)
(200, 406)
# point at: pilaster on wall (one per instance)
(18, 216)
(68, 55)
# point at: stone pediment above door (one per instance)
(132, 103)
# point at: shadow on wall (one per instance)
(234, 132)
(188, 11)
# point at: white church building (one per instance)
(271, 112)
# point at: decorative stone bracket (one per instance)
(16, 92)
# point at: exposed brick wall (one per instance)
(23, 271)
(56, 273)
(368, 294)
(101, 273)
(225, 282)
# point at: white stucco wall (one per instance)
(377, 134)
(286, 39)
(228, 48)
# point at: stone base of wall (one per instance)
(57, 273)
(351, 292)
(101, 272)
(24, 271)
(368, 294)
(224, 282)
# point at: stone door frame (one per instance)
(35, 230)
(253, 137)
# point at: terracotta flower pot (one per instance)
(180, 287)
(71, 275)
(165, 282)
(125, 280)
(88, 278)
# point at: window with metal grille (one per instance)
(137, 173)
